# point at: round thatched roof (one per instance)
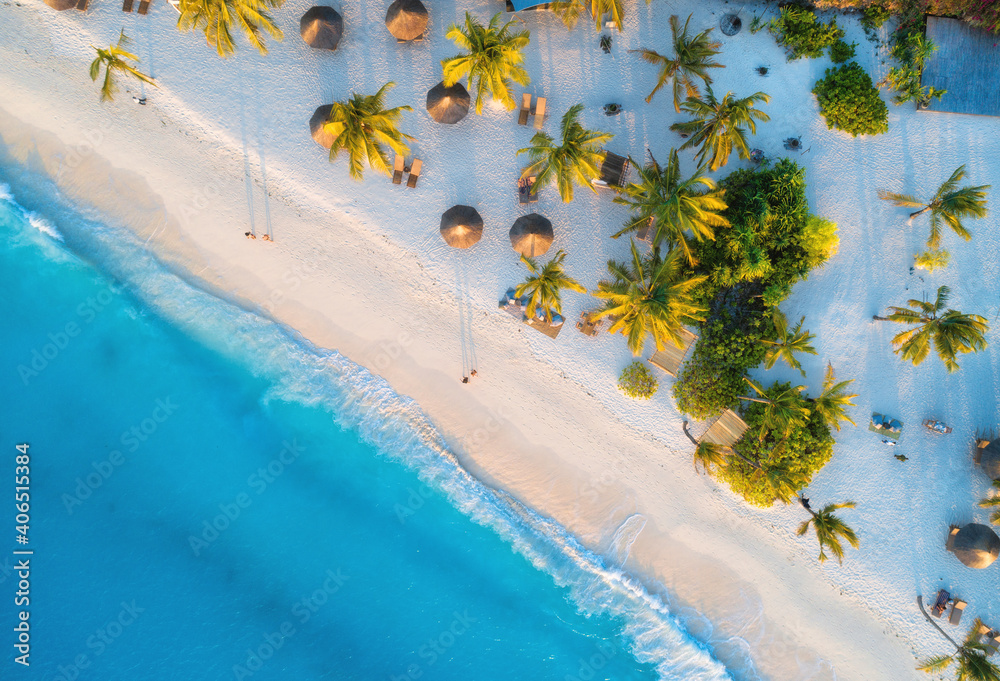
(319, 135)
(531, 235)
(406, 19)
(448, 104)
(461, 226)
(989, 459)
(977, 546)
(322, 27)
(61, 5)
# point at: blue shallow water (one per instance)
(214, 499)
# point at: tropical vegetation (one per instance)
(544, 286)
(842, 51)
(492, 58)
(363, 127)
(637, 381)
(692, 59)
(948, 207)
(951, 332)
(218, 18)
(787, 342)
(993, 502)
(576, 160)
(829, 528)
(801, 32)
(832, 403)
(116, 60)
(673, 206)
(971, 658)
(932, 259)
(570, 11)
(911, 50)
(849, 101)
(718, 127)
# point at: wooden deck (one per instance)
(726, 430)
(966, 63)
(669, 359)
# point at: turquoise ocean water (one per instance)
(213, 498)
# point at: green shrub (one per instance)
(849, 101)
(911, 50)
(819, 240)
(841, 51)
(802, 34)
(872, 18)
(637, 381)
(932, 260)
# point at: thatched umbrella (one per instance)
(977, 546)
(319, 134)
(989, 459)
(61, 5)
(461, 226)
(406, 19)
(531, 235)
(448, 104)
(322, 27)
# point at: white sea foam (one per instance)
(5, 194)
(44, 226)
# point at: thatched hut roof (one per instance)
(461, 226)
(319, 134)
(322, 27)
(977, 546)
(531, 235)
(989, 459)
(61, 5)
(448, 104)
(406, 19)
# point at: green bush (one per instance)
(819, 240)
(932, 260)
(841, 51)
(872, 18)
(637, 381)
(911, 50)
(802, 34)
(849, 101)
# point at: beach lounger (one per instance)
(540, 112)
(956, 611)
(144, 6)
(414, 173)
(936, 426)
(669, 359)
(988, 638)
(588, 327)
(614, 169)
(525, 185)
(82, 5)
(397, 170)
(127, 7)
(941, 604)
(726, 430)
(522, 118)
(949, 545)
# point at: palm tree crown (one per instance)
(361, 126)
(544, 285)
(673, 205)
(782, 412)
(116, 60)
(216, 19)
(570, 11)
(788, 343)
(651, 295)
(972, 658)
(952, 332)
(577, 160)
(830, 530)
(716, 126)
(949, 205)
(493, 59)
(692, 59)
(832, 403)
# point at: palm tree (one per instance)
(711, 457)
(692, 59)
(544, 286)
(972, 657)
(570, 11)
(650, 295)
(493, 58)
(216, 19)
(993, 502)
(832, 403)
(361, 126)
(716, 126)
(576, 160)
(675, 206)
(952, 332)
(116, 60)
(782, 412)
(830, 530)
(788, 343)
(949, 205)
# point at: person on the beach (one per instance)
(139, 100)
(250, 235)
(465, 379)
(266, 237)
(473, 373)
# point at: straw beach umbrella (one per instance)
(461, 226)
(448, 104)
(61, 5)
(406, 19)
(989, 459)
(531, 235)
(322, 28)
(317, 129)
(977, 546)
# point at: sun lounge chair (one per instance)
(726, 430)
(669, 359)
(588, 327)
(127, 7)
(988, 638)
(397, 170)
(540, 112)
(949, 545)
(885, 426)
(525, 190)
(522, 118)
(941, 603)
(144, 6)
(956, 611)
(414, 173)
(614, 168)
(936, 426)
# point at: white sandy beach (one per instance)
(361, 267)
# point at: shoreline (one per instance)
(559, 449)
